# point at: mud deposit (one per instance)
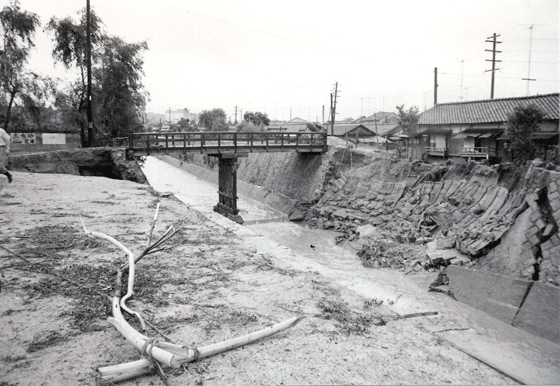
(212, 286)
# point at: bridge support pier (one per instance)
(227, 189)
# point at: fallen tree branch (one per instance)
(130, 287)
(160, 353)
(429, 313)
(153, 224)
(184, 354)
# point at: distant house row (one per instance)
(477, 129)
(462, 130)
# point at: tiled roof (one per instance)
(487, 111)
(380, 116)
(343, 128)
(381, 128)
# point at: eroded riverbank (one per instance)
(215, 285)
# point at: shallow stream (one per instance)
(299, 246)
(290, 244)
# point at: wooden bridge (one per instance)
(228, 147)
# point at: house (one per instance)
(477, 129)
(350, 130)
(380, 122)
(174, 116)
(294, 125)
(380, 117)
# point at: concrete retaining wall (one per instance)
(531, 306)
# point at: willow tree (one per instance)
(18, 28)
(70, 49)
(119, 92)
(118, 95)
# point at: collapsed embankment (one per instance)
(106, 162)
(474, 210)
(500, 222)
(494, 230)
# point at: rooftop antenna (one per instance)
(528, 78)
(462, 66)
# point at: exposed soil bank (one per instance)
(499, 219)
(211, 287)
(106, 162)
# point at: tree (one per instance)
(18, 28)
(521, 124)
(409, 119)
(256, 118)
(70, 38)
(119, 93)
(117, 90)
(213, 120)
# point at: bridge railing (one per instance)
(218, 142)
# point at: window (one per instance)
(432, 141)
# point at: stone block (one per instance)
(546, 264)
(548, 230)
(529, 262)
(552, 253)
(445, 242)
(540, 224)
(556, 216)
(546, 246)
(540, 312)
(534, 240)
(498, 295)
(528, 272)
(554, 196)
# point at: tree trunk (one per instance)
(9, 111)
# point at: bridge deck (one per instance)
(226, 142)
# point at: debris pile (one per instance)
(456, 214)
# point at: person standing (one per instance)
(5, 142)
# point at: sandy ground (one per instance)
(210, 287)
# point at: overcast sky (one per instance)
(282, 56)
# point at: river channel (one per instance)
(293, 245)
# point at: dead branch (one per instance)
(184, 354)
(42, 269)
(160, 353)
(152, 225)
(130, 256)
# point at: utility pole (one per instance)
(493, 60)
(236, 115)
(334, 97)
(528, 78)
(89, 105)
(435, 86)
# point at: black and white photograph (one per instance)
(276, 193)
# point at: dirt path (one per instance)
(210, 288)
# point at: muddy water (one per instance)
(315, 249)
(299, 246)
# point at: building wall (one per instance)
(38, 142)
